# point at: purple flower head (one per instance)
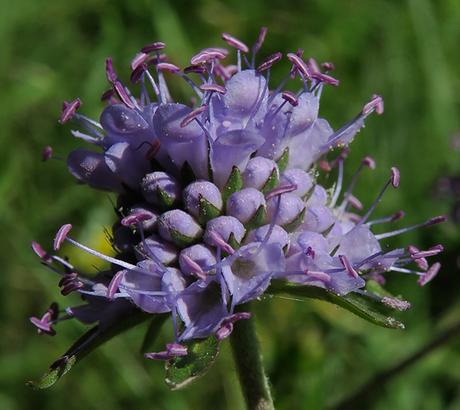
(219, 200)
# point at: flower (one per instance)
(218, 199)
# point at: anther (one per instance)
(123, 95)
(290, 97)
(47, 153)
(375, 104)
(69, 109)
(156, 46)
(299, 64)
(347, 265)
(61, 236)
(109, 71)
(171, 68)
(213, 88)
(268, 62)
(282, 189)
(192, 115)
(430, 274)
(234, 42)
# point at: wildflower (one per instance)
(219, 200)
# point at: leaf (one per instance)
(234, 183)
(92, 339)
(362, 306)
(202, 354)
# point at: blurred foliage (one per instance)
(405, 50)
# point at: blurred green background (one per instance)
(406, 50)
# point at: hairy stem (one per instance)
(248, 359)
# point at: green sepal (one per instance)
(298, 220)
(183, 370)
(234, 183)
(328, 230)
(207, 211)
(283, 160)
(233, 242)
(362, 306)
(165, 201)
(309, 193)
(92, 339)
(182, 241)
(258, 219)
(271, 182)
(187, 174)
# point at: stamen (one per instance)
(234, 42)
(219, 242)
(207, 55)
(47, 153)
(107, 95)
(392, 218)
(430, 274)
(324, 78)
(290, 97)
(172, 350)
(395, 177)
(375, 104)
(338, 188)
(69, 109)
(258, 44)
(213, 88)
(194, 267)
(327, 66)
(155, 46)
(299, 64)
(192, 115)
(347, 265)
(137, 73)
(197, 69)
(114, 283)
(394, 180)
(171, 68)
(136, 218)
(61, 235)
(123, 95)
(434, 250)
(109, 71)
(322, 276)
(293, 71)
(226, 326)
(40, 252)
(282, 189)
(269, 61)
(432, 221)
(138, 60)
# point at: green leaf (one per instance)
(207, 211)
(234, 183)
(283, 160)
(92, 339)
(362, 306)
(202, 354)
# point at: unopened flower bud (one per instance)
(224, 226)
(179, 227)
(199, 254)
(258, 171)
(244, 204)
(290, 207)
(297, 177)
(160, 189)
(204, 189)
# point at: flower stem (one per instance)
(248, 359)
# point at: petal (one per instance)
(90, 167)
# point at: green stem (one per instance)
(248, 359)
